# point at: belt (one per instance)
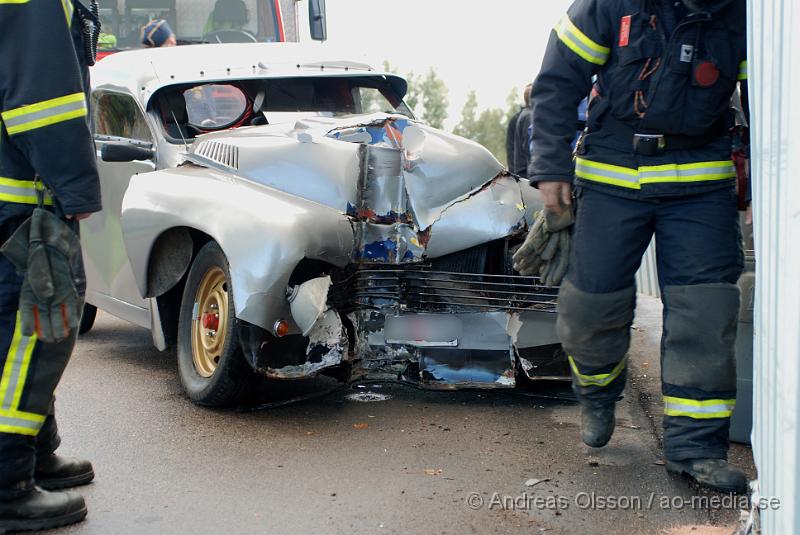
(651, 144)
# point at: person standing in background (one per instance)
(522, 151)
(157, 33)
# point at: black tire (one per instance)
(87, 318)
(229, 381)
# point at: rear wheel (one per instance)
(212, 367)
(87, 318)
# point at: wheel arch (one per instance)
(170, 258)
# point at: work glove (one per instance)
(48, 254)
(545, 252)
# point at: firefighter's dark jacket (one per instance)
(656, 73)
(43, 109)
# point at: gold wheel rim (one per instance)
(210, 322)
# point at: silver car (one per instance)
(273, 213)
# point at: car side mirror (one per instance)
(317, 21)
(125, 152)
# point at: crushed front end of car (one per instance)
(429, 295)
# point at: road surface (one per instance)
(417, 462)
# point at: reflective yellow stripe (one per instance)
(607, 173)
(69, 8)
(688, 172)
(12, 384)
(651, 174)
(20, 423)
(602, 379)
(22, 191)
(701, 409)
(10, 366)
(45, 113)
(14, 1)
(743, 70)
(579, 42)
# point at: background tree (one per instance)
(467, 127)
(491, 132)
(434, 100)
(487, 128)
(414, 93)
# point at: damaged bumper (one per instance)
(437, 329)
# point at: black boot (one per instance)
(716, 474)
(56, 472)
(597, 424)
(40, 509)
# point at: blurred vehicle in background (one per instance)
(211, 21)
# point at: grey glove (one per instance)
(546, 249)
(46, 251)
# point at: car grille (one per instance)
(436, 290)
(221, 153)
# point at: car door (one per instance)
(117, 121)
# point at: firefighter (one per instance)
(655, 161)
(47, 158)
(157, 33)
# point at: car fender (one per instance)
(263, 232)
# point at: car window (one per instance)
(118, 115)
(214, 106)
(372, 101)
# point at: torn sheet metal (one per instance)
(327, 346)
(496, 210)
(389, 244)
(447, 370)
(537, 345)
(471, 350)
(382, 193)
(308, 301)
(438, 169)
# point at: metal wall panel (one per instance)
(647, 276)
(774, 77)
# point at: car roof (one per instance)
(143, 72)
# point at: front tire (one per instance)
(212, 368)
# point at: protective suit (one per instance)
(47, 158)
(656, 160)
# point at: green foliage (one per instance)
(468, 126)
(434, 100)
(491, 132)
(414, 93)
(487, 128)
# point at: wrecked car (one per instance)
(281, 217)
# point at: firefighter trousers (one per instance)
(30, 372)
(699, 261)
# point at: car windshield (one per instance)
(193, 21)
(188, 110)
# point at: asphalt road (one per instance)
(419, 462)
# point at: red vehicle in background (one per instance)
(207, 21)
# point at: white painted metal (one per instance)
(774, 76)
(647, 276)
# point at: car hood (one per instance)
(396, 176)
